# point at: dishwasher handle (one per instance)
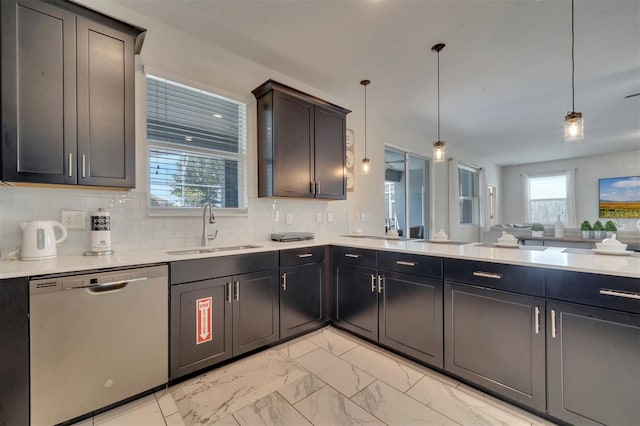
(108, 286)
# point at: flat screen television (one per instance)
(620, 197)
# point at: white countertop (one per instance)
(625, 266)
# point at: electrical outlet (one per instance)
(288, 218)
(365, 216)
(330, 217)
(73, 219)
(318, 217)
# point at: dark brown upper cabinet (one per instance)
(67, 95)
(301, 144)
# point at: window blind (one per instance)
(197, 147)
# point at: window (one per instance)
(547, 197)
(469, 201)
(197, 149)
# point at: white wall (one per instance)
(588, 171)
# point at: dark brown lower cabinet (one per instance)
(356, 300)
(244, 312)
(593, 365)
(301, 306)
(411, 315)
(496, 339)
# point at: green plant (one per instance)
(537, 227)
(610, 226)
(597, 226)
(586, 226)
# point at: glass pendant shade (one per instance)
(438, 152)
(366, 166)
(573, 127)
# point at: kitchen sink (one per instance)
(213, 249)
(451, 243)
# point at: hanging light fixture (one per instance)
(438, 146)
(366, 163)
(573, 123)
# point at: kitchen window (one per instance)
(547, 197)
(469, 200)
(197, 149)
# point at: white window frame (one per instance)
(475, 200)
(240, 156)
(562, 173)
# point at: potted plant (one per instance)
(586, 229)
(610, 228)
(598, 230)
(537, 230)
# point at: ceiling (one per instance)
(505, 73)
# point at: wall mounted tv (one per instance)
(620, 197)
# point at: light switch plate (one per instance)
(73, 219)
(318, 217)
(330, 217)
(288, 218)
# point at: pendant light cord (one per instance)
(573, 66)
(438, 95)
(365, 121)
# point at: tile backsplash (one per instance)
(132, 228)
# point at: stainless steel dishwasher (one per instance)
(96, 339)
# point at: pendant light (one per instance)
(438, 146)
(573, 123)
(366, 163)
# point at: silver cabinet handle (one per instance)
(373, 283)
(284, 281)
(617, 293)
(236, 284)
(380, 286)
(537, 320)
(487, 275)
(83, 166)
(553, 323)
(317, 187)
(70, 164)
(311, 187)
(353, 256)
(229, 291)
(404, 263)
(302, 256)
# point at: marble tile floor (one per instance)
(327, 377)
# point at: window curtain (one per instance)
(483, 196)
(570, 214)
(454, 200)
(526, 213)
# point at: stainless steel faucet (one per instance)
(205, 236)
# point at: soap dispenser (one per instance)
(559, 228)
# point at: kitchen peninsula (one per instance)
(522, 301)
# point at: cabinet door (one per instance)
(300, 298)
(200, 333)
(411, 315)
(357, 300)
(38, 93)
(256, 310)
(496, 340)
(106, 121)
(329, 148)
(293, 142)
(593, 374)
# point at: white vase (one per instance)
(537, 234)
(559, 228)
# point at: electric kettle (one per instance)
(39, 239)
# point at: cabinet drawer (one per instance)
(301, 256)
(518, 279)
(201, 269)
(620, 293)
(362, 257)
(425, 266)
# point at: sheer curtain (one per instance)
(454, 200)
(483, 196)
(526, 214)
(570, 214)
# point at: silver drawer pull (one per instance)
(284, 281)
(301, 256)
(625, 294)
(70, 164)
(487, 275)
(553, 323)
(84, 169)
(229, 291)
(403, 263)
(236, 285)
(537, 322)
(380, 281)
(353, 256)
(373, 283)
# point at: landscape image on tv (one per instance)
(620, 197)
